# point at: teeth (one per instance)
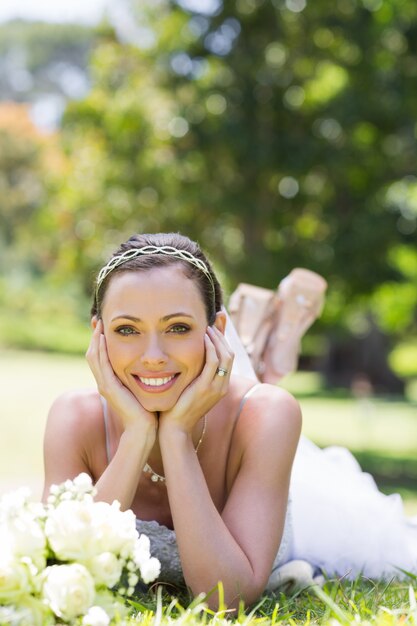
(155, 382)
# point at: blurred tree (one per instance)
(28, 158)
(38, 58)
(277, 132)
(21, 188)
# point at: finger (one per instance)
(212, 358)
(224, 354)
(222, 342)
(94, 340)
(93, 352)
(105, 365)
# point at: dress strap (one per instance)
(106, 427)
(245, 397)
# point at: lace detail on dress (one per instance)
(164, 547)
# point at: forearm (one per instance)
(209, 552)
(120, 479)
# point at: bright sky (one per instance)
(86, 11)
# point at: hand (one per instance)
(207, 389)
(121, 399)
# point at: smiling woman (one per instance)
(165, 393)
(202, 455)
(157, 352)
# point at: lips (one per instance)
(155, 384)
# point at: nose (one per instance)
(153, 353)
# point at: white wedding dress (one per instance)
(340, 522)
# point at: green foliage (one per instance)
(403, 358)
(277, 134)
(20, 186)
(36, 315)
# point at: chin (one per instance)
(157, 405)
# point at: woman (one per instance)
(170, 433)
(204, 456)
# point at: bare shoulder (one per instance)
(79, 409)
(74, 436)
(269, 411)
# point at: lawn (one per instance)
(380, 431)
(29, 383)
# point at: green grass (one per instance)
(339, 602)
(376, 429)
(30, 382)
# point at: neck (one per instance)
(155, 456)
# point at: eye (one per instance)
(125, 331)
(179, 329)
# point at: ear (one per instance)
(93, 322)
(220, 321)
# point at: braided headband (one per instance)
(183, 255)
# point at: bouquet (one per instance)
(72, 560)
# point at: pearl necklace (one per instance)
(155, 477)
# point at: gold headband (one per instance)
(183, 255)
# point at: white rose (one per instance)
(12, 502)
(80, 530)
(105, 568)
(142, 550)
(14, 577)
(83, 482)
(150, 569)
(25, 538)
(96, 616)
(115, 530)
(68, 590)
(69, 529)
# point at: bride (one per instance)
(210, 460)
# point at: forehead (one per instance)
(159, 291)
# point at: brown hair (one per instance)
(210, 290)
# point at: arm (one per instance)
(238, 545)
(74, 443)
(72, 437)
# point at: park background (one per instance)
(278, 133)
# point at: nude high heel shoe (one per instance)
(300, 300)
(271, 324)
(252, 310)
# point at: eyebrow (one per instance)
(166, 318)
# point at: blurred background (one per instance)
(278, 133)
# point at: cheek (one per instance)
(197, 355)
(118, 353)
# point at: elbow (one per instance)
(230, 595)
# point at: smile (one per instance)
(155, 384)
